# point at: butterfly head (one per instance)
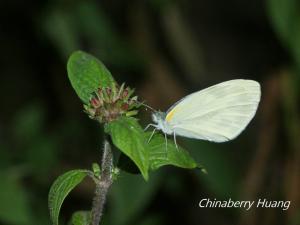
(159, 118)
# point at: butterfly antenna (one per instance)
(175, 140)
(147, 106)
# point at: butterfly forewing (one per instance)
(218, 113)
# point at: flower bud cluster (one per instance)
(109, 103)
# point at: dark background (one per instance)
(165, 49)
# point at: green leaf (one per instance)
(61, 188)
(81, 218)
(86, 74)
(129, 137)
(161, 154)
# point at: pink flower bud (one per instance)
(125, 93)
(125, 107)
(95, 102)
(108, 91)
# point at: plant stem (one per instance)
(103, 184)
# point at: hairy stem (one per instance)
(103, 184)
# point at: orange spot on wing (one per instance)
(170, 115)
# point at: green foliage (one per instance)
(66, 25)
(81, 218)
(128, 136)
(16, 207)
(60, 28)
(87, 74)
(28, 122)
(96, 169)
(285, 18)
(39, 147)
(59, 190)
(162, 153)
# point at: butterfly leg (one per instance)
(152, 134)
(149, 125)
(175, 140)
(166, 145)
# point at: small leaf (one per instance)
(115, 173)
(59, 190)
(86, 74)
(129, 137)
(81, 218)
(161, 155)
(96, 169)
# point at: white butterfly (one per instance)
(218, 113)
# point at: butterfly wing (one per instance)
(218, 113)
